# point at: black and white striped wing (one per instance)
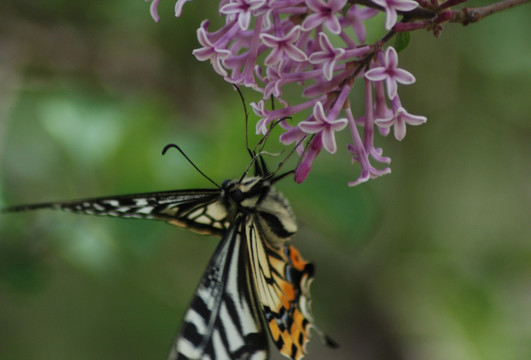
(223, 320)
(202, 211)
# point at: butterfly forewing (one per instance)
(223, 320)
(202, 211)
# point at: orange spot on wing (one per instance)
(275, 331)
(288, 290)
(296, 259)
(298, 317)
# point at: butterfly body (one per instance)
(267, 207)
(254, 284)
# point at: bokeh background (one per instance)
(430, 262)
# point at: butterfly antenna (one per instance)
(260, 168)
(262, 142)
(190, 161)
(246, 119)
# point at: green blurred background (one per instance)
(430, 262)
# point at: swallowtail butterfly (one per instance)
(255, 283)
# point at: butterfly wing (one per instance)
(200, 210)
(282, 282)
(223, 320)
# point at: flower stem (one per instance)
(471, 15)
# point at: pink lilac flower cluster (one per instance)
(319, 47)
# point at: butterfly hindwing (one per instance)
(223, 320)
(202, 211)
(282, 279)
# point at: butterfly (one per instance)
(256, 284)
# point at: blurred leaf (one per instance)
(402, 40)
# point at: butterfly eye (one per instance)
(236, 195)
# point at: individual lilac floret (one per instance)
(390, 73)
(324, 126)
(392, 6)
(283, 46)
(242, 10)
(260, 110)
(400, 119)
(324, 13)
(210, 52)
(355, 16)
(328, 56)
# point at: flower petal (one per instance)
(329, 141)
(310, 127)
(404, 77)
(332, 23)
(399, 129)
(391, 87)
(391, 58)
(295, 53)
(376, 74)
